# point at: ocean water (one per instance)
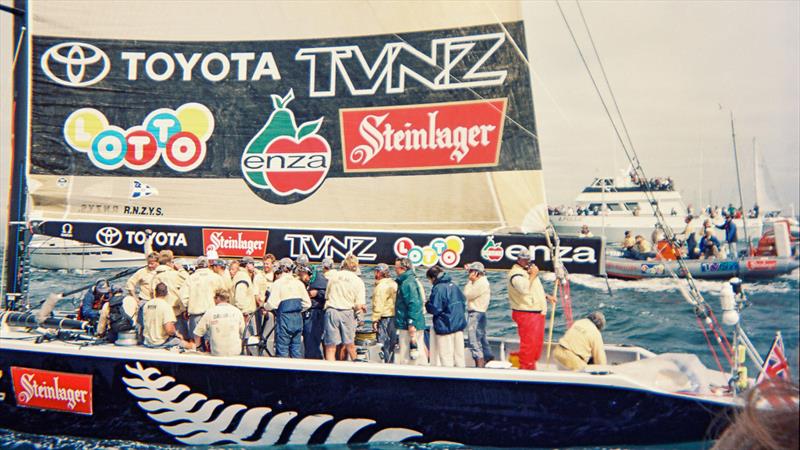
(647, 313)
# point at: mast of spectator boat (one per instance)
(739, 184)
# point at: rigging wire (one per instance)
(701, 307)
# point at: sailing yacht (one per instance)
(378, 129)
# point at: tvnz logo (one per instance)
(285, 163)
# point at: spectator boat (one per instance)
(614, 205)
(58, 253)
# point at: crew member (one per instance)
(408, 318)
(709, 245)
(159, 321)
(197, 294)
(690, 235)
(582, 344)
(288, 297)
(346, 294)
(448, 307)
(219, 267)
(628, 242)
(116, 316)
(244, 297)
(314, 318)
(383, 298)
(731, 236)
(222, 325)
(478, 294)
(174, 277)
(140, 284)
(528, 308)
(93, 301)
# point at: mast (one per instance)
(739, 184)
(15, 232)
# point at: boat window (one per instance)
(631, 205)
(614, 207)
(594, 206)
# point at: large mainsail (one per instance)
(233, 123)
(436, 97)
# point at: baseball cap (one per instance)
(202, 261)
(327, 263)
(524, 254)
(285, 264)
(102, 287)
(301, 260)
(382, 267)
(248, 260)
(219, 262)
(476, 266)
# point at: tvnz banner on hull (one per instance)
(579, 255)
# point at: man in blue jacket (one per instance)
(449, 308)
(730, 236)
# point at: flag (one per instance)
(775, 365)
(140, 190)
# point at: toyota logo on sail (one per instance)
(75, 64)
(108, 236)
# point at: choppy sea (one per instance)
(649, 313)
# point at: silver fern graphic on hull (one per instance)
(190, 418)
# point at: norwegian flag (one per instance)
(775, 366)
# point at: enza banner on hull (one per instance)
(579, 255)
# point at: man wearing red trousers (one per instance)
(528, 308)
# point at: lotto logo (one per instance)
(444, 251)
(176, 136)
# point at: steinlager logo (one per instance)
(284, 158)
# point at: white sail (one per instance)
(766, 195)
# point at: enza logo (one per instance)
(284, 159)
(176, 136)
(75, 64)
(108, 236)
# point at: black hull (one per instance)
(465, 410)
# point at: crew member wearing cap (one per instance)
(528, 308)
(408, 319)
(197, 294)
(223, 325)
(448, 307)
(582, 344)
(288, 297)
(93, 301)
(314, 318)
(245, 298)
(159, 321)
(220, 267)
(346, 294)
(383, 298)
(478, 294)
(731, 237)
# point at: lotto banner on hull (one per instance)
(579, 255)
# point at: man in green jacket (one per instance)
(408, 315)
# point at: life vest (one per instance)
(118, 320)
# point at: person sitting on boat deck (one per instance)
(582, 344)
(408, 318)
(641, 250)
(245, 297)
(314, 318)
(528, 308)
(478, 294)
(288, 298)
(197, 294)
(731, 236)
(628, 242)
(384, 296)
(222, 325)
(159, 321)
(709, 245)
(449, 308)
(117, 315)
(585, 233)
(689, 235)
(93, 301)
(346, 294)
(174, 276)
(139, 285)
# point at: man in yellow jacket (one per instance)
(528, 308)
(582, 344)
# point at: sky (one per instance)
(678, 70)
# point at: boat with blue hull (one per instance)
(161, 397)
(750, 268)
